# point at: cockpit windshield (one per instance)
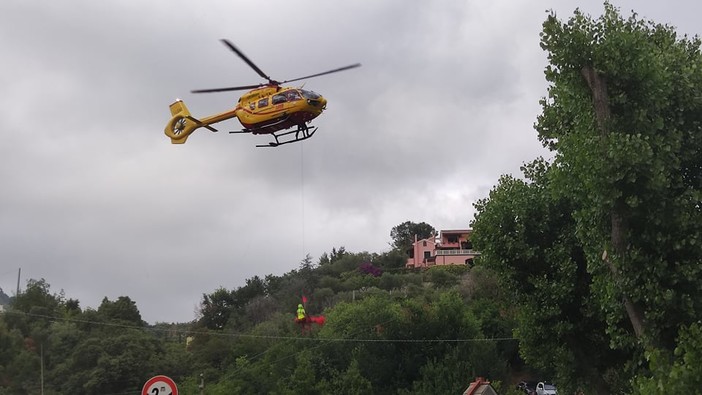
(290, 95)
(309, 94)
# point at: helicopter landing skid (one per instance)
(303, 132)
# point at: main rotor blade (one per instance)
(247, 60)
(353, 66)
(233, 88)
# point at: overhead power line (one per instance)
(252, 336)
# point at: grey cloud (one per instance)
(99, 203)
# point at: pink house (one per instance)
(452, 247)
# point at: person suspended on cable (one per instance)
(301, 314)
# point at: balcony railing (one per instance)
(456, 252)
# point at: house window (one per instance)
(424, 243)
(427, 254)
(452, 239)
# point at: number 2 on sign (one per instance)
(155, 391)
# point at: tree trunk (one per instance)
(600, 101)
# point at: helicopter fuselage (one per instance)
(264, 110)
(271, 109)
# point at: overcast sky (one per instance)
(97, 201)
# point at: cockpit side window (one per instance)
(279, 98)
(263, 102)
(293, 95)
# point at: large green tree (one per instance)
(124, 309)
(624, 118)
(527, 235)
(403, 234)
(25, 335)
(216, 308)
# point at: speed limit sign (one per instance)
(160, 385)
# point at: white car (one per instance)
(546, 389)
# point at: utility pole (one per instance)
(18, 281)
(202, 384)
(42, 367)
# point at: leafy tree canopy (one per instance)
(122, 309)
(403, 234)
(624, 118)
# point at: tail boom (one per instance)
(182, 124)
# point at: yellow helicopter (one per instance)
(267, 108)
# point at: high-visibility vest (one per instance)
(300, 313)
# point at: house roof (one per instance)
(480, 387)
(430, 239)
(457, 231)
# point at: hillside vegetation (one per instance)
(387, 330)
